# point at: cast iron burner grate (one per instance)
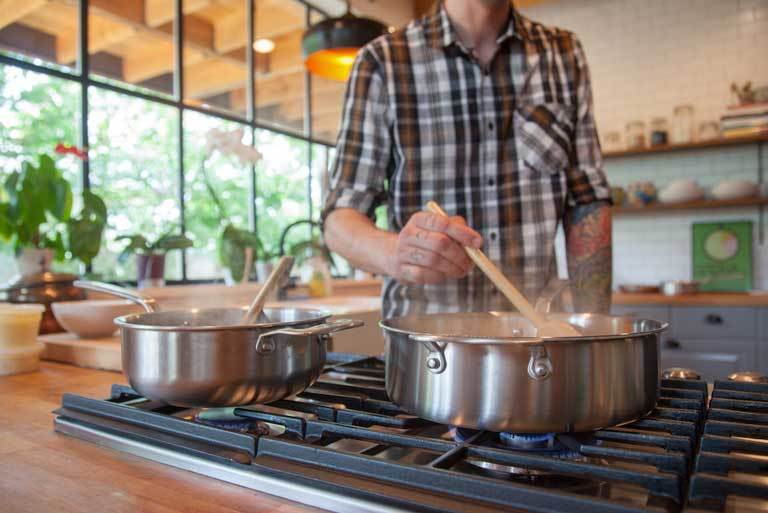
(344, 439)
(731, 472)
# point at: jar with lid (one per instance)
(682, 124)
(635, 135)
(659, 131)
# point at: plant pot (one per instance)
(150, 270)
(264, 269)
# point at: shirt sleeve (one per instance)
(586, 179)
(363, 149)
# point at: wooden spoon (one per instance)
(544, 327)
(254, 312)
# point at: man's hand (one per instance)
(429, 249)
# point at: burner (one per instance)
(680, 373)
(749, 377)
(543, 444)
(225, 418)
(461, 434)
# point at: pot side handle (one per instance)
(265, 344)
(131, 295)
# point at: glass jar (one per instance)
(682, 124)
(659, 131)
(635, 135)
(709, 130)
(613, 141)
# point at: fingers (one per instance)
(436, 248)
(416, 275)
(431, 260)
(455, 229)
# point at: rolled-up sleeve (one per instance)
(363, 149)
(586, 179)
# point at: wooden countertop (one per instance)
(757, 298)
(41, 470)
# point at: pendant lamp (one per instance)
(331, 45)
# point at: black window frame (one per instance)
(81, 74)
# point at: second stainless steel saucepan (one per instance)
(489, 371)
(206, 357)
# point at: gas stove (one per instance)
(343, 446)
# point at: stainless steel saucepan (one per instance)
(206, 357)
(489, 371)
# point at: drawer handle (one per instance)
(713, 319)
(673, 344)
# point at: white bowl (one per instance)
(734, 189)
(92, 318)
(681, 191)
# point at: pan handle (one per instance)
(265, 344)
(131, 295)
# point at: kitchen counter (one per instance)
(41, 470)
(756, 298)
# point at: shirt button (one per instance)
(493, 235)
(490, 125)
(491, 182)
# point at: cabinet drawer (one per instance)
(713, 359)
(657, 313)
(714, 322)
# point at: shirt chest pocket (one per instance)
(543, 137)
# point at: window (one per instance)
(215, 63)
(230, 180)
(134, 168)
(136, 122)
(37, 111)
(43, 32)
(283, 193)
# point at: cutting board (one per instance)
(97, 353)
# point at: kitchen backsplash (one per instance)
(646, 57)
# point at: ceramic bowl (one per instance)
(680, 191)
(735, 189)
(93, 318)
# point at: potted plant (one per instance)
(36, 218)
(150, 255)
(237, 248)
(37, 221)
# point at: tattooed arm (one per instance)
(588, 243)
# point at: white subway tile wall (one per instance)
(646, 57)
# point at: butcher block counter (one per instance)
(41, 470)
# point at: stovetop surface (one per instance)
(343, 437)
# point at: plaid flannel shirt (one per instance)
(509, 147)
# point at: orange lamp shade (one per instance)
(331, 45)
(333, 64)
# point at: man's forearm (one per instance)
(588, 241)
(353, 236)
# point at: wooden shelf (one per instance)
(667, 148)
(691, 205)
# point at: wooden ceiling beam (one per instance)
(102, 33)
(230, 32)
(159, 12)
(210, 77)
(12, 11)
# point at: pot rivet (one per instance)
(433, 363)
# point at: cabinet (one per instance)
(715, 341)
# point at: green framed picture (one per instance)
(722, 256)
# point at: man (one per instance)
(490, 115)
